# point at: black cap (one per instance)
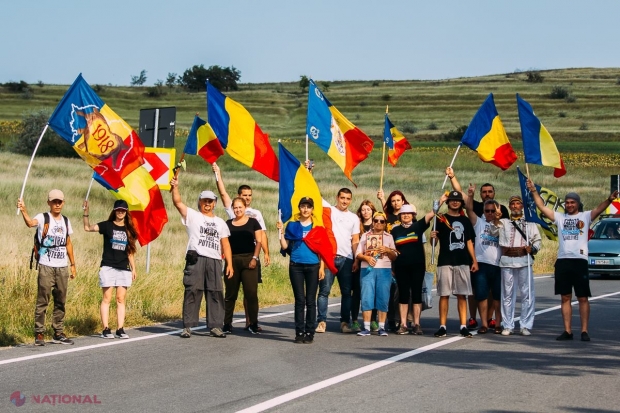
(455, 196)
(307, 201)
(121, 204)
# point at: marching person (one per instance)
(208, 242)
(118, 266)
(54, 235)
(571, 267)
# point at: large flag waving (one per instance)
(533, 214)
(395, 141)
(239, 134)
(538, 145)
(487, 136)
(203, 142)
(102, 138)
(340, 139)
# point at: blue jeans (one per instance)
(488, 277)
(376, 283)
(345, 278)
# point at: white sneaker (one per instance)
(507, 331)
(525, 332)
(321, 327)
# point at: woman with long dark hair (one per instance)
(118, 267)
(392, 207)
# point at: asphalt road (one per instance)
(157, 371)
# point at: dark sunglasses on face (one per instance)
(378, 221)
(489, 210)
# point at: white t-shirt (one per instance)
(573, 234)
(56, 239)
(487, 244)
(344, 225)
(252, 213)
(205, 233)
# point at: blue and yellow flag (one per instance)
(531, 211)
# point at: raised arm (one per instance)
(221, 188)
(603, 205)
(469, 204)
(85, 215)
(540, 204)
(381, 198)
(453, 181)
(29, 221)
(176, 197)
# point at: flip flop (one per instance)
(483, 330)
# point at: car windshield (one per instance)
(607, 230)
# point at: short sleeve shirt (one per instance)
(453, 240)
(383, 261)
(205, 233)
(345, 224)
(409, 243)
(252, 213)
(487, 245)
(114, 245)
(242, 238)
(55, 241)
(573, 234)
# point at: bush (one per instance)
(432, 126)
(534, 77)
(407, 127)
(40, 83)
(157, 90)
(375, 84)
(17, 87)
(562, 114)
(455, 134)
(559, 92)
(51, 144)
(584, 126)
(570, 98)
(386, 97)
(99, 89)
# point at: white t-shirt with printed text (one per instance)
(573, 234)
(205, 233)
(487, 245)
(55, 255)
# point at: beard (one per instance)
(516, 213)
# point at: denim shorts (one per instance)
(376, 283)
(488, 277)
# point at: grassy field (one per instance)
(591, 155)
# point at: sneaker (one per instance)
(441, 332)
(526, 332)
(217, 332)
(107, 333)
(186, 333)
(355, 327)
(382, 332)
(492, 323)
(61, 339)
(364, 333)
(39, 339)
(402, 331)
(253, 328)
(585, 336)
(374, 326)
(120, 333)
(472, 324)
(308, 338)
(227, 329)
(344, 327)
(321, 327)
(299, 338)
(565, 336)
(465, 333)
(417, 330)
(507, 331)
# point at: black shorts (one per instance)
(572, 273)
(410, 280)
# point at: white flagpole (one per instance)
(89, 187)
(307, 158)
(21, 195)
(451, 163)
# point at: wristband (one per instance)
(85, 216)
(255, 257)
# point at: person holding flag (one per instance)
(571, 266)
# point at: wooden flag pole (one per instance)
(527, 170)
(383, 154)
(21, 195)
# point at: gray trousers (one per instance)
(51, 281)
(203, 277)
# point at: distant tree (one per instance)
(223, 78)
(304, 82)
(157, 90)
(51, 144)
(325, 86)
(534, 77)
(17, 87)
(171, 80)
(139, 80)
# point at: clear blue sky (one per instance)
(279, 40)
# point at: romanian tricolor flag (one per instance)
(538, 145)
(487, 136)
(146, 205)
(203, 142)
(104, 140)
(239, 134)
(531, 211)
(395, 141)
(340, 139)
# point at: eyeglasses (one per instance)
(379, 221)
(489, 210)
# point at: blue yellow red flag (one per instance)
(395, 141)
(531, 211)
(202, 141)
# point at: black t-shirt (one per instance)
(114, 245)
(409, 243)
(479, 210)
(242, 237)
(453, 240)
(392, 221)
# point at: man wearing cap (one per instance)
(208, 241)
(53, 232)
(519, 241)
(571, 267)
(456, 260)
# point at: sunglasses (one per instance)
(379, 221)
(489, 210)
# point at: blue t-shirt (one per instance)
(300, 253)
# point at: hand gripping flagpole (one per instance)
(21, 195)
(434, 241)
(451, 163)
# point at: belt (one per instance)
(515, 252)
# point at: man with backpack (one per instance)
(52, 247)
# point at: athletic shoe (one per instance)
(585, 336)
(472, 324)
(402, 331)
(253, 328)
(299, 338)
(186, 333)
(441, 332)
(417, 330)
(525, 332)
(39, 339)
(355, 327)
(217, 332)
(565, 336)
(364, 333)
(320, 328)
(61, 339)
(392, 326)
(465, 333)
(227, 329)
(308, 338)
(382, 332)
(374, 326)
(344, 327)
(107, 333)
(492, 323)
(120, 333)
(507, 331)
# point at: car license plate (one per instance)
(601, 262)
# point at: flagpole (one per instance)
(307, 158)
(451, 163)
(527, 170)
(21, 195)
(89, 187)
(279, 220)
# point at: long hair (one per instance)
(359, 212)
(388, 208)
(130, 229)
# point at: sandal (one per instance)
(498, 330)
(483, 330)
